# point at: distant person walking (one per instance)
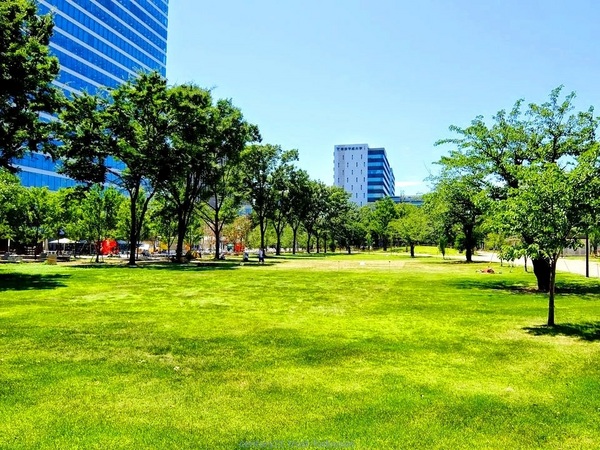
(261, 256)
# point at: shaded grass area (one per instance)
(364, 351)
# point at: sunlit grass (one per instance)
(362, 351)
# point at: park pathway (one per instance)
(564, 265)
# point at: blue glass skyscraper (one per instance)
(99, 43)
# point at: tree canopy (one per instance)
(26, 73)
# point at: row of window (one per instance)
(127, 50)
(136, 17)
(85, 70)
(148, 11)
(37, 161)
(348, 164)
(348, 180)
(75, 83)
(92, 57)
(130, 13)
(54, 183)
(105, 25)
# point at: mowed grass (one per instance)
(362, 351)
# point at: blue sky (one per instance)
(391, 74)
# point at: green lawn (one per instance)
(363, 351)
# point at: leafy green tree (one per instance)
(549, 133)
(457, 207)
(191, 109)
(281, 201)
(99, 219)
(343, 219)
(163, 221)
(133, 127)
(26, 73)
(412, 226)
(9, 188)
(384, 212)
(33, 219)
(298, 196)
(549, 206)
(230, 133)
(316, 208)
(262, 164)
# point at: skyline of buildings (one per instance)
(98, 44)
(364, 172)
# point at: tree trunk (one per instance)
(469, 244)
(469, 254)
(412, 250)
(278, 246)
(551, 293)
(318, 243)
(308, 243)
(133, 238)
(542, 269)
(217, 238)
(181, 229)
(294, 240)
(262, 229)
(349, 249)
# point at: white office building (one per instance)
(363, 172)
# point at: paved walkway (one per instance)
(564, 265)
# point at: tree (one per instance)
(457, 206)
(9, 188)
(123, 139)
(239, 230)
(262, 164)
(384, 212)
(164, 220)
(549, 206)
(412, 227)
(229, 135)
(316, 207)
(26, 73)
(99, 219)
(299, 200)
(33, 219)
(191, 109)
(546, 134)
(282, 204)
(343, 219)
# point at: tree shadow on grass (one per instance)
(24, 282)
(192, 266)
(490, 281)
(589, 331)
(579, 289)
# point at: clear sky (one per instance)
(389, 73)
